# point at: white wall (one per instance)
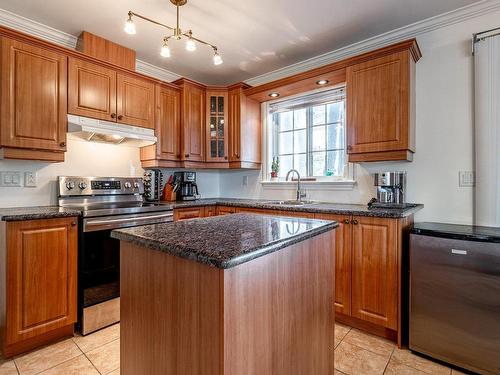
(82, 159)
(444, 133)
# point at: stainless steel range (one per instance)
(106, 203)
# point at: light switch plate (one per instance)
(10, 179)
(245, 180)
(30, 179)
(466, 179)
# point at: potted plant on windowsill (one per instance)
(275, 168)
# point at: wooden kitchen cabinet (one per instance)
(33, 91)
(167, 129)
(342, 261)
(375, 264)
(216, 134)
(245, 133)
(39, 288)
(192, 120)
(210, 211)
(225, 210)
(189, 213)
(100, 92)
(381, 107)
(135, 101)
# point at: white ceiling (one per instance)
(253, 37)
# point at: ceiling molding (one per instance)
(406, 32)
(30, 27)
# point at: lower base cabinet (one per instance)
(39, 282)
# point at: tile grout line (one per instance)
(48, 368)
(92, 363)
(389, 361)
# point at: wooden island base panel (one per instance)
(270, 315)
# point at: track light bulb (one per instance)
(165, 50)
(190, 45)
(217, 59)
(130, 26)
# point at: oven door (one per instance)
(99, 267)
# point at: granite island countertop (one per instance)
(316, 207)
(225, 241)
(36, 212)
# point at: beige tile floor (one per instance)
(356, 353)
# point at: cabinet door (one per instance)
(375, 270)
(33, 97)
(91, 90)
(168, 123)
(216, 127)
(210, 211)
(342, 262)
(41, 277)
(193, 123)
(188, 213)
(134, 101)
(378, 104)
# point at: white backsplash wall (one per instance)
(82, 159)
(444, 134)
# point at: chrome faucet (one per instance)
(300, 194)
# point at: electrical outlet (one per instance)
(10, 179)
(466, 179)
(245, 180)
(30, 179)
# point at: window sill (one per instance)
(310, 185)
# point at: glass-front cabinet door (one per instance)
(217, 137)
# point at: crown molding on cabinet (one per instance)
(28, 26)
(406, 32)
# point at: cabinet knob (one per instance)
(73, 223)
(225, 157)
(346, 221)
(62, 144)
(178, 156)
(186, 155)
(120, 117)
(113, 115)
(237, 156)
(355, 222)
(349, 147)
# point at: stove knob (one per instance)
(136, 185)
(127, 185)
(82, 185)
(70, 185)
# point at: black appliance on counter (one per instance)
(153, 182)
(185, 186)
(106, 203)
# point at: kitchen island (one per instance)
(237, 294)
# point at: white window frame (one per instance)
(346, 182)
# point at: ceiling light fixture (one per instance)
(177, 33)
(274, 94)
(322, 82)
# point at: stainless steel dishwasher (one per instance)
(455, 295)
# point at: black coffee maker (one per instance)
(185, 186)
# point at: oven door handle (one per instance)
(88, 224)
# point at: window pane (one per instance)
(285, 143)
(335, 163)
(335, 136)
(300, 164)
(319, 115)
(300, 118)
(318, 163)
(335, 112)
(299, 141)
(286, 163)
(286, 120)
(318, 138)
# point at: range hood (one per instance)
(93, 130)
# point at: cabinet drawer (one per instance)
(188, 213)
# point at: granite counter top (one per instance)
(225, 241)
(316, 207)
(37, 212)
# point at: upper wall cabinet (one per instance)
(99, 92)
(192, 120)
(166, 151)
(33, 102)
(217, 126)
(245, 133)
(381, 107)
